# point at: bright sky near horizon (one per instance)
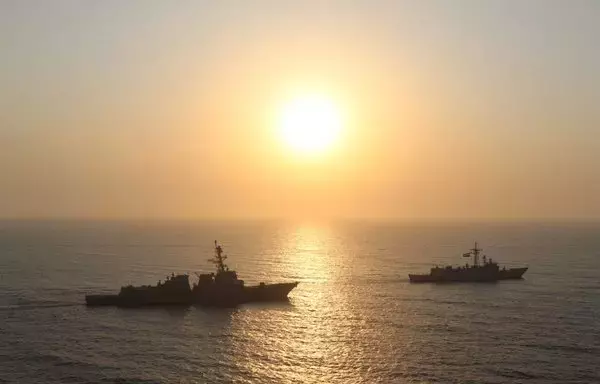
(160, 109)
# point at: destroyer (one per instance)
(222, 288)
(488, 271)
(225, 289)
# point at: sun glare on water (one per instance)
(310, 124)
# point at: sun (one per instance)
(310, 124)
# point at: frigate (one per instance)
(488, 271)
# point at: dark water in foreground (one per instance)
(354, 318)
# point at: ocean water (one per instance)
(354, 318)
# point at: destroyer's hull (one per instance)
(132, 302)
(213, 296)
(466, 276)
(268, 292)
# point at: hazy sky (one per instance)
(166, 109)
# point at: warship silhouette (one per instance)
(488, 271)
(222, 288)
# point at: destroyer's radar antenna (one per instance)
(219, 258)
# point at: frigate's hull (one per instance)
(472, 276)
(512, 273)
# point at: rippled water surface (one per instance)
(354, 318)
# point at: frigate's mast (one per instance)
(476, 251)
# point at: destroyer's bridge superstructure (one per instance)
(488, 271)
(222, 288)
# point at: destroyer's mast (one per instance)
(219, 258)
